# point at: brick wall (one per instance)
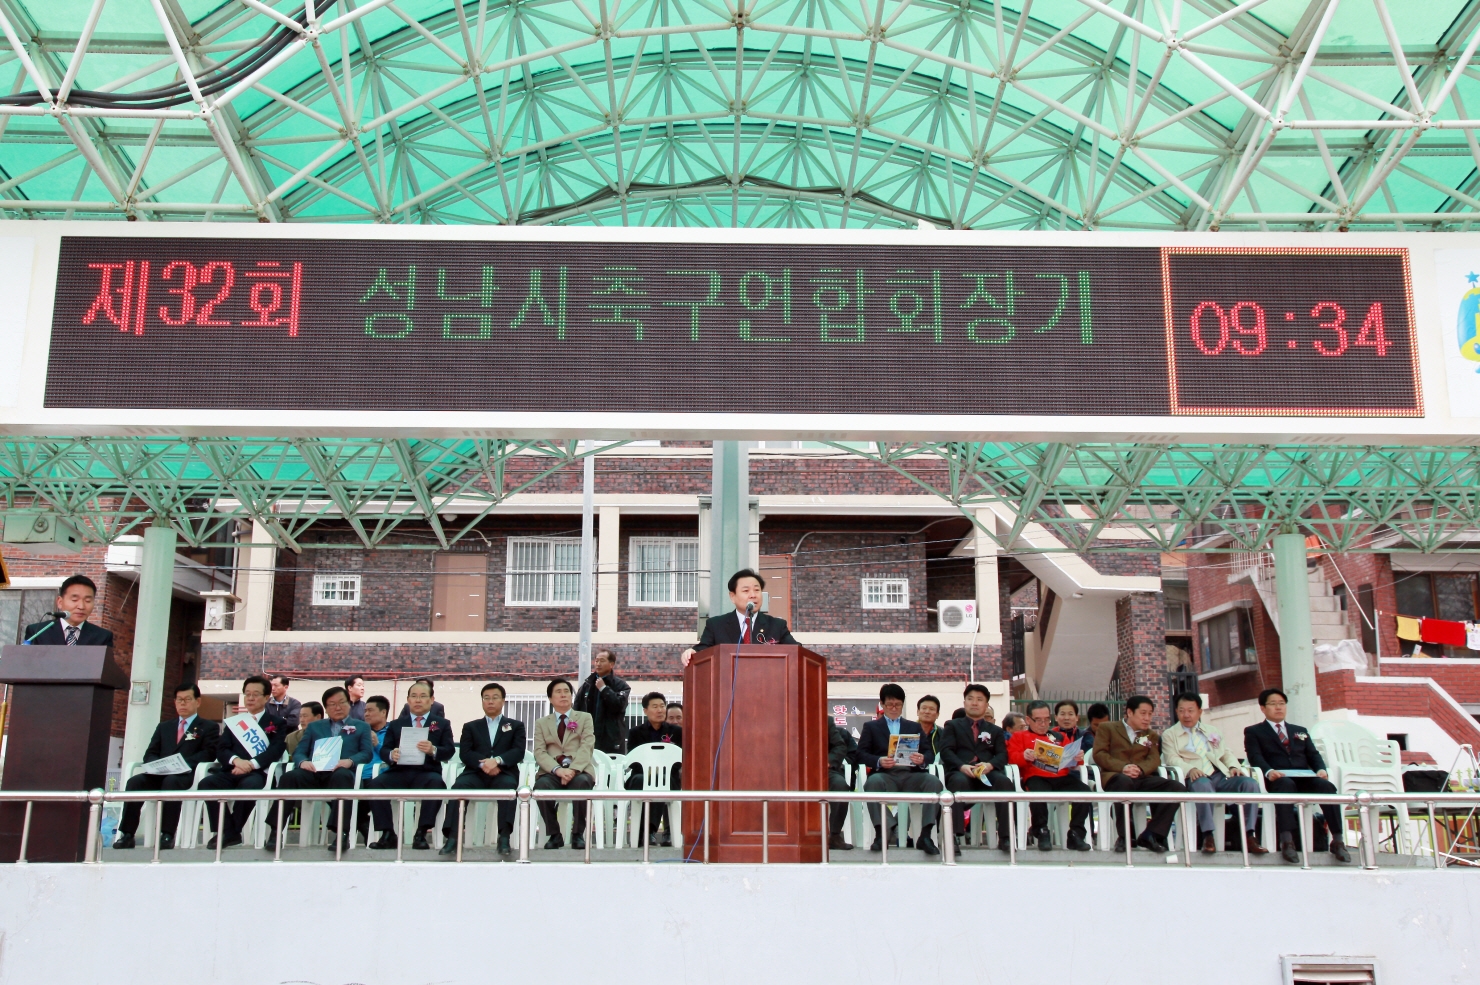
(832, 557)
(1460, 679)
(1140, 641)
(1407, 699)
(1367, 569)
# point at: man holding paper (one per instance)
(890, 748)
(327, 755)
(415, 747)
(974, 752)
(179, 744)
(1047, 759)
(253, 742)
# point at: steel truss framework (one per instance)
(1038, 114)
(1172, 497)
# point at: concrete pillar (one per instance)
(255, 612)
(608, 566)
(729, 530)
(1297, 652)
(151, 639)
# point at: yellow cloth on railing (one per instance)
(1407, 628)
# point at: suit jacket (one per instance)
(1263, 749)
(231, 747)
(959, 749)
(1115, 749)
(439, 734)
(874, 740)
(474, 746)
(357, 748)
(198, 745)
(1179, 750)
(577, 743)
(608, 710)
(91, 635)
(726, 629)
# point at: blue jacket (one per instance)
(357, 746)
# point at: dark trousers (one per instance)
(236, 818)
(995, 781)
(657, 809)
(1068, 783)
(1162, 815)
(505, 779)
(169, 815)
(837, 813)
(406, 779)
(301, 779)
(904, 780)
(1285, 821)
(549, 781)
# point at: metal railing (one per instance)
(1365, 805)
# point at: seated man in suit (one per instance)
(1208, 765)
(1039, 776)
(436, 749)
(1276, 746)
(746, 588)
(1129, 754)
(563, 743)
(655, 729)
(75, 600)
(890, 774)
(338, 775)
(186, 733)
(974, 753)
(492, 747)
(241, 763)
(841, 749)
(1097, 715)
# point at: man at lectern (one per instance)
(75, 601)
(747, 624)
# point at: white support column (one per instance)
(1297, 652)
(255, 611)
(151, 639)
(988, 608)
(608, 566)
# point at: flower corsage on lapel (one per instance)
(1302, 736)
(506, 727)
(348, 730)
(570, 725)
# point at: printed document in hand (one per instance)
(410, 755)
(168, 766)
(902, 747)
(1052, 757)
(1297, 773)
(326, 753)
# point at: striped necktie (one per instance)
(72, 632)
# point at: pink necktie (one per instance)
(180, 732)
(418, 721)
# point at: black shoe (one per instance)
(123, 841)
(1045, 843)
(877, 846)
(503, 846)
(1288, 851)
(1338, 850)
(1120, 845)
(664, 840)
(1151, 843)
(449, 845)
(419, 842)
(230, 841)
(343, 841)
(166, 842)
(926, 845)
(578, 842)
(555, 841)
(909, 842)
(1076, 842)
(836, 843)
(387, 840)
(1003, 846)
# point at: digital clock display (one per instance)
(259, 323)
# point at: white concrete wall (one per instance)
(616, 924)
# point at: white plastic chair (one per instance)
(1358, 761)
(657, 760)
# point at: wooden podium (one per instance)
(61, 714)
(776, 740)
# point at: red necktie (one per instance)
(418, 721)
(1284, 738)
(180, 732)
(745, 637)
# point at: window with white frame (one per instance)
(336, 589)
(663, 571)
(543, 571)
(886, 593)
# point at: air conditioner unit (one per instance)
(956, 615)
(41, 533)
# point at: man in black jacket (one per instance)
(840, 749)
(891, 774)
(75, 600)
(437, 748)
(974, 753)
(243, 761)
(746, 590)
(1275, 746)
(186, 733)
(655, 730)
(604, 696)
(492, 747)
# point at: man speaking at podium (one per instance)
(747, 624)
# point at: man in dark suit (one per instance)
(75, 600)
(841, 749)
(239, 767)
(655, 730)
(1128, 754)
(746, 588)
(436, 749)
(604, 696)
(340, 775)
(974, 753)
(186, 733)
(891, 774)
(491, 749)
(1275, 746)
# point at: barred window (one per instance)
(543, 571)
(336, 589)
(886, 593)
(664, 571)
